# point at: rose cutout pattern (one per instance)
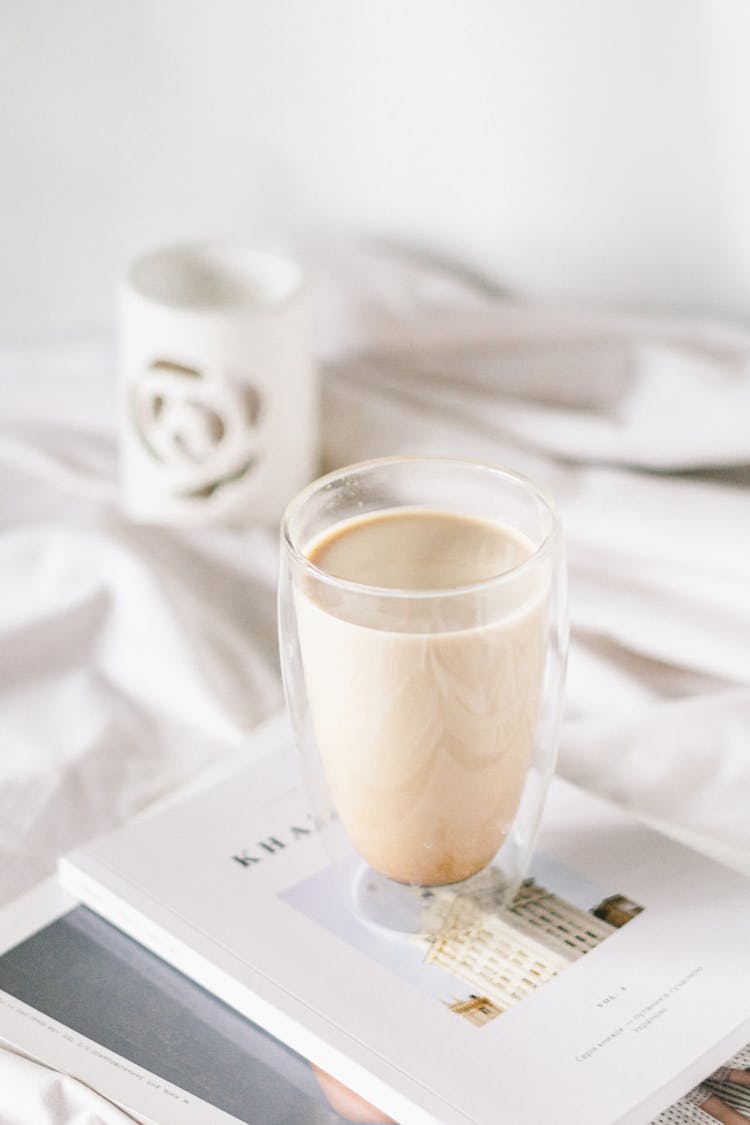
(199, 424)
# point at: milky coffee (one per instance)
(424, 707)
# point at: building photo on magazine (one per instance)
(375, 563)
(473, 953)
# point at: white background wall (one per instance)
(589, 150)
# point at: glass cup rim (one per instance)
(540, 553)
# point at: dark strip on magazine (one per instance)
(85, 974)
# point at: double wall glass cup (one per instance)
(422, 616)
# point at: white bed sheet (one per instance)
(133, 656)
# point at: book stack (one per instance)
(229, 958)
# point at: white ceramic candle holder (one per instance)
(218, 413)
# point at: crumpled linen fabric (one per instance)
(132, 656)
(39, 1094)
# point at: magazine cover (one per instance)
(620, 972)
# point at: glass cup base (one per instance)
(400, 908)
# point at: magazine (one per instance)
(618, 978)
(171, 1028)
(79, 996)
